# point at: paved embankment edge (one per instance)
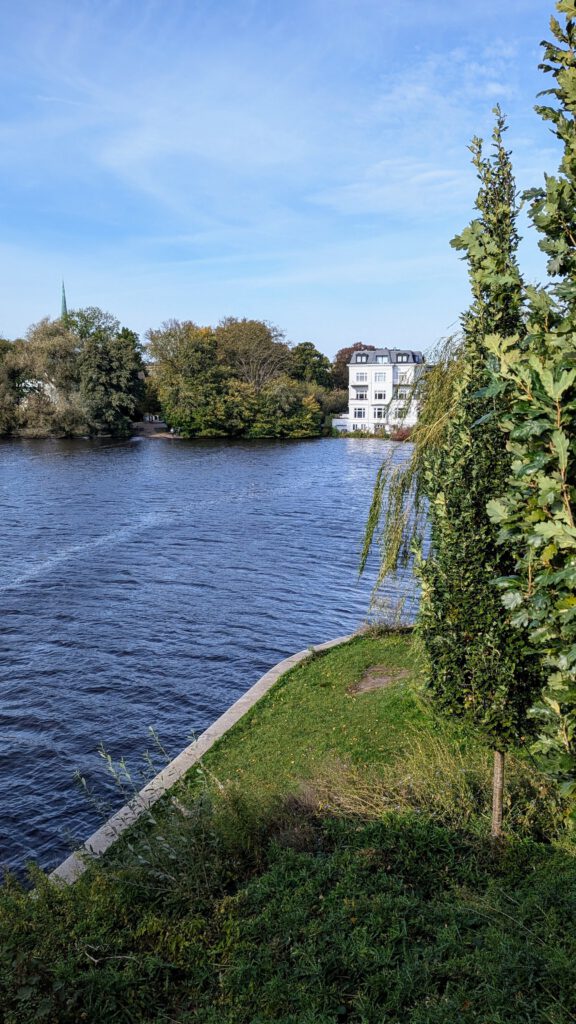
(101, 840)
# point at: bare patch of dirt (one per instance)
(376, 678)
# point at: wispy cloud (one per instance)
(260, 150)
(402, 186)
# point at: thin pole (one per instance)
(497, 794)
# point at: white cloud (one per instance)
(402, 186)
(173, 154)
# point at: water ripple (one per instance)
(148, 584)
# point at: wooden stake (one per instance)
(497, 794)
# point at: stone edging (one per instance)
(101, 840)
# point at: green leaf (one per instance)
(497, 511)
(565, 381)
(561, 446)
(545, 376)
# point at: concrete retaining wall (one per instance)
(104, 837)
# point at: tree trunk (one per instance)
(497, 794)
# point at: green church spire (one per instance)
(64, 312)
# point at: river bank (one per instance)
(159, 429)
(328, 861)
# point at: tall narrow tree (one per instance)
(481, 668)
(536, 511)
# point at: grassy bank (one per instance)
(328, 862)
(312, 714)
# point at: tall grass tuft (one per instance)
(443, 778)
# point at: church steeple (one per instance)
(64, 312)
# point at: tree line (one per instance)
(85, 374)
(241, 379)
(487, 503)
(80, 374)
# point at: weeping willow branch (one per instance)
(397, 516)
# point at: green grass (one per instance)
(359, 750)
(309, 717)
(400, 921)
(370, 895)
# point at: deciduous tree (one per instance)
(191, 382)
(10, 386)
(310, 365)
(231, 381)
(254, 350)
(111, 371)
(481, 667)
(536, 511)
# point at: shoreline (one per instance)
(70, 870)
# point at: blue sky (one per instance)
(304, 162)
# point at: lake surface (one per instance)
(145, 585)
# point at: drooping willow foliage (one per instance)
(398, 512)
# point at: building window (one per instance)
(359, 414)
(379, 396)
(382, 359)
(403, 357)
(361, 396)
(380, 377)
(403, 395)
(362, 358)
(403, 378)
(379, 412)
(361, 377)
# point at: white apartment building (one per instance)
(381, 390)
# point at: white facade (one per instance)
(381, 390)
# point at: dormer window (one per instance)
(362, 358)
(403, 357)
(382, 359)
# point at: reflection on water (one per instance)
(147, 584)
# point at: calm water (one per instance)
(147, 584)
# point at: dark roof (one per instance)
(392, 353)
